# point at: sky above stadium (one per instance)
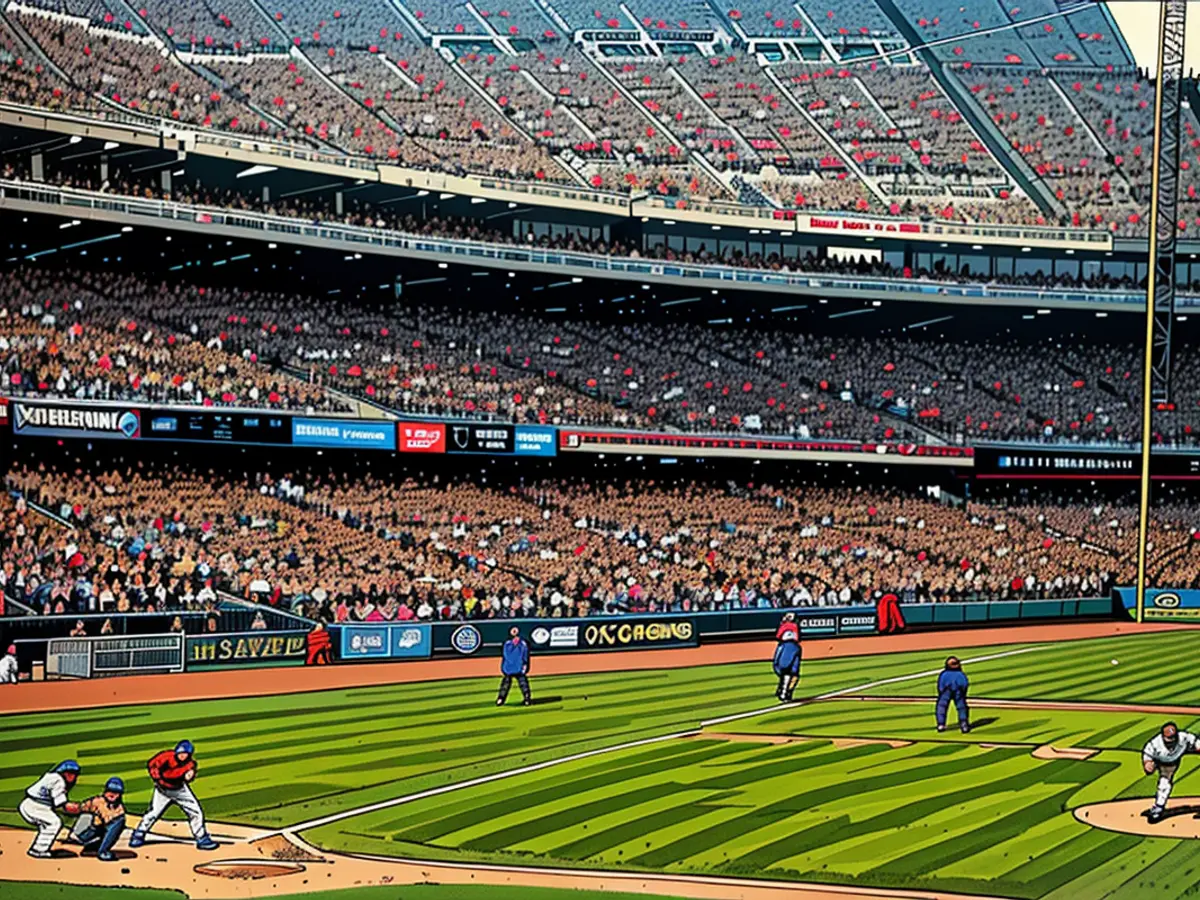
(1138, 20)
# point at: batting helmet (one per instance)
(185, 747)
(12, 650)
(67, 765)
(115, 785)
(953, 663)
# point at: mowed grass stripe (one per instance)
(437, 825)
(419, 812)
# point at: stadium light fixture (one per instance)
(577, 280)
(74, 139)
(256, 170)
(127, 229)
(1070, 252)
(272, 246)
(477, 200)
(672, 222)
(1043, 312)
(512, 205)
(716, 228)
(445, 196)
(443, 265)
(1101, 315)
(977, 246)
(1181, 318)
(178, 173)
(422, 193)
(1024, 249)
(877, 303)
(111, 145)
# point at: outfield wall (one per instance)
(1164, 604)
(414, 640)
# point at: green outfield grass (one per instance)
(942, 812)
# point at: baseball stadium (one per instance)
(581, 449)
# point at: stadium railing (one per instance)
(33, 197)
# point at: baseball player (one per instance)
(102, 820)
(787, 657)
(952, 685)
(42, 800)
(1162, 754)
(172, 772)
(515, 664)
(8, 666)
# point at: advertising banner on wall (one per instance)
(485, 438)
(332, 433)
(1165, 604)
(386, 641)
(672, 632)
(535, 440)
(52, 420)
(245, 648)
(421, 437)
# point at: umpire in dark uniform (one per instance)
(515, 664)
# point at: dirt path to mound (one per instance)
(64, 695)
(266, 870)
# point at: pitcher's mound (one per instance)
(247, 869)
(1128, 817)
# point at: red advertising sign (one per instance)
(421, 437)
(862, 226)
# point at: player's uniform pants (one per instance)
(91, 835)
(506, 684)
(42, 817)
(181, 797)
(960, 703)
(1166, 781)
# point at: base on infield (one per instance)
(1046, 751)
(1128, 817)
(248, 869)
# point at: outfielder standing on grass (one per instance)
(787, 657)
(172, 772)
(42, 801)
(1162, 754)
(515, 664)
(952, 687)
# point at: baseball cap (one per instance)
(184, 747)
(115, 785)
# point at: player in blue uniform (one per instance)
(787, 657)
(515, 664)
(952, 686)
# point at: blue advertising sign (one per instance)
(335, 433)
(535, 440)
(365, 641)
(408, 641)
(1165, 604)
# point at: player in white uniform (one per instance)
(42, 800)
(1162, 754)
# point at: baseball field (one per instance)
(688, 772)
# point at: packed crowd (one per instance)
(342, 547)
(101, 335)
(865, 137)
(93, 336)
